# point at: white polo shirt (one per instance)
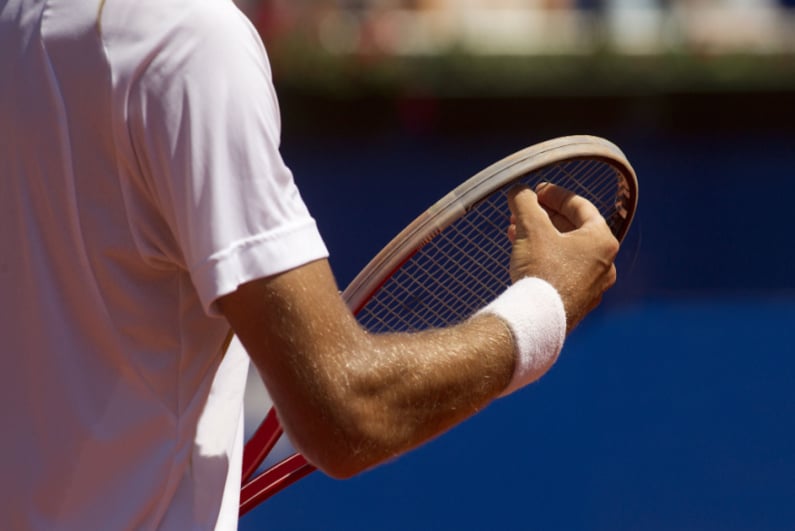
(140, 180)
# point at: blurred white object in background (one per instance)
(635, 26)
(733, 26)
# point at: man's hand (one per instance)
(562, 238)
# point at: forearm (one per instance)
(350, 399)
(404, 389)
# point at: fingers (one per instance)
(551, 241)
(574, 209)
(559, 221)
(526, 212)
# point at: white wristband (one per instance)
(533, 311)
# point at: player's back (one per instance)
(99, 391)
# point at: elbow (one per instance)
(345, 445)
(351, 430)
(341, 450)
(338, 469)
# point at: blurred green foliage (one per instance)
(308, 69)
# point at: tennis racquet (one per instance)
(454, 259)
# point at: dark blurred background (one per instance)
(672, 405)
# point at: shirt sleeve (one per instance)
(205, 124)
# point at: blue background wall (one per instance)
(672, 406)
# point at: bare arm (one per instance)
(350, 399)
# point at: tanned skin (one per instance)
(350, 399)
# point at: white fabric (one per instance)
(534, 312)
(140, 180)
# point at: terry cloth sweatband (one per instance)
(534, 313)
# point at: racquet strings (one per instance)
(466, 265)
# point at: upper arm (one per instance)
(295, 326)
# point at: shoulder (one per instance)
(175, 33)
(154, 16)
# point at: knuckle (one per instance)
(609, 278)
(613, 247)
(610, 244)
(612, 275)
